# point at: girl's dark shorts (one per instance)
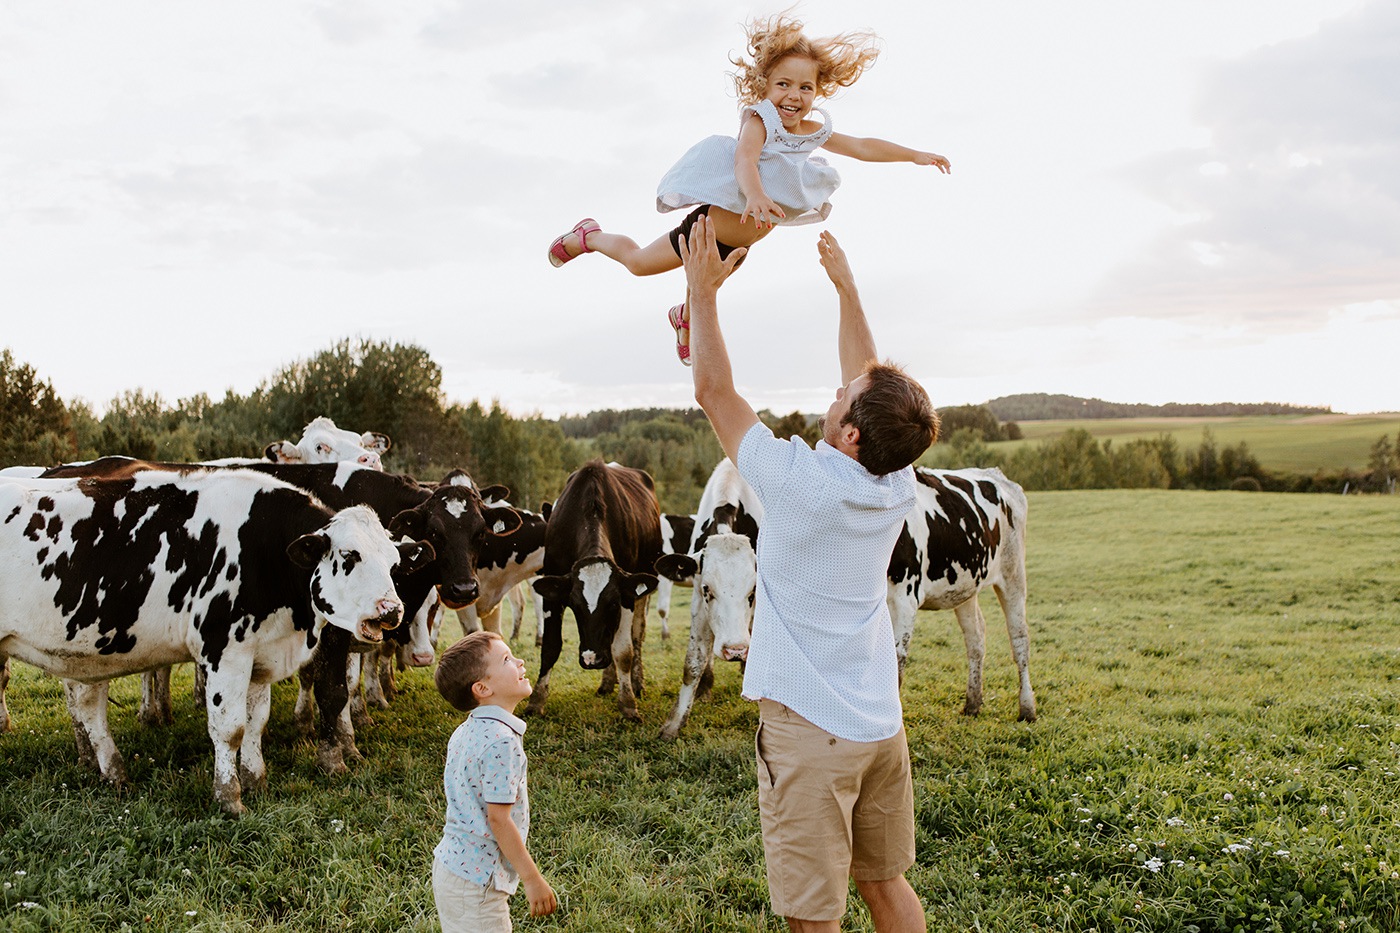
(684, 231)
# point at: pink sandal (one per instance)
(678, 323)
(558, 255)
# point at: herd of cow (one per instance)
(313, 561)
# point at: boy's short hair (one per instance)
(461, 666)
(896, 420)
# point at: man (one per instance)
(835, 794)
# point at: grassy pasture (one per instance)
(1218, 676)
(1290, 443)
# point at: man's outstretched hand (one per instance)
(705, 272)
(833, 259)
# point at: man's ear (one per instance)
(850, 435)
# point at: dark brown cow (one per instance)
(601, 544)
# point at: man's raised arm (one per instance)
(854, 341)
(728, 411)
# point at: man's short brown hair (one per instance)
(895, 418)
(461, 666)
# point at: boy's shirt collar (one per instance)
(500, 714)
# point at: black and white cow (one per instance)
(239, 572)
(722, 561)
(602, 539)
(323, 442)
(967, 531)
(450, 516)
(676, 532)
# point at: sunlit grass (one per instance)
(1217, 749)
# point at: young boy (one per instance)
(482, 855)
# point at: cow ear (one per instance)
(501, 521)
(410, 523)
(555, 589)
(282, 452)
(415, 555)
(545, 509)
(306, 552)
(633, 586)
(373, 440)
(496, 493)
(676, 567)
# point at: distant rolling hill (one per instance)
(1039, 406)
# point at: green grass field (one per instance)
(1218, 749)
(1288, 443)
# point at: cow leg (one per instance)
(697, 657)
(549, 654)
(373, 668)
(4, 684)
(490, 619)
(252, 769)
(974, 629)
(87, 705)
(201, 677)
(663, 606)
(303, 714)
(517, 609)
(904, 610)
(639, 637)
(609, 682)
(539, 614)
(155, 698)
(388, 686)
(227, 691)
(470, 620)
(332, 692)
(623, 659)
(1012, 597)
(358, 709)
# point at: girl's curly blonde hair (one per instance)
(840, 59)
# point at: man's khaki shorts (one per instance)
(831, 810)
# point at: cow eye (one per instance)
(750, 597)
(705, 591)
(323, 448)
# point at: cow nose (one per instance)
(423, 659)
(460, 594)
(736, 652)
(390, 612)
(372, 461)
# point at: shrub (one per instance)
(1245, 484)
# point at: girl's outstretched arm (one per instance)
(882, 150)
(759, 205)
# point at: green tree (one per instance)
(35, 426)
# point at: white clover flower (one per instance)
(1132, 847)
(1175, 821)
(1067, 890)
(1282, 853)
(191, 913)
(337, 825)
(1153, 864)
(1229, 796)
(20, 873)
(28, 905)
(1178, 863)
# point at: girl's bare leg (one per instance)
(653, 259)
(659, 256)
(728, 231)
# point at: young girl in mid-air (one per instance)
(768, 174)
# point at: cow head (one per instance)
(726, 575)
(323, 442)
(417, 640)
(351, 561)
(597, 591)
(456, 523)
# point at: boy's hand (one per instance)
(763, 209)
(933, 158)
(541, 895)
(833, 259)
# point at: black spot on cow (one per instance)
(989, 491)
(960, 537)
(318, 599)
(217, 699)
(46, 504)
(35, 526)
(42, 556)
(735, 517)
(55, 528)
(904, 560)
(14, 513)
(351, 559)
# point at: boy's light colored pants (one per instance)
(464, 907)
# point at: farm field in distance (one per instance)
(1290, 443)
(1218, 681)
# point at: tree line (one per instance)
(1040, 406)
(396, 389)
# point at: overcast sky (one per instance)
(1150, 202)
